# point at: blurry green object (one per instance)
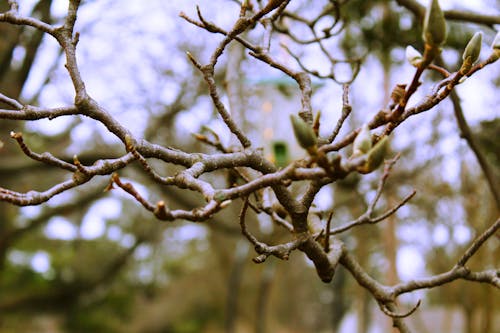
(281, 154)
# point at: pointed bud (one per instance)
(398, 93)
(304, 133)
(473, 48)
(413, 56)
(161, 211)
(363, 142)
(434, 32)
(495, 46)
(377, 153)
(496, 42)
(200, 137)
(225, 203)
(316, 123)
(471, 53)
(375, 156)
(129, 143)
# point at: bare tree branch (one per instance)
(286, 193)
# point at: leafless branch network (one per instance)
(256, 174)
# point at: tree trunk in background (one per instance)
(391, 246)
(12, 80)
(266, 280)
(339, 304)
(364, 239)
(233, 286)
(362, 296)
(389, 227)
(487, 312)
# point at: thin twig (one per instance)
(478, 242)
(346, 111)
(46, 157)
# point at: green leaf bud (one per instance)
(413, 56)
(434, 32)
(304, 133)
(473, 48)
(496, 42)
(363, 142)
(377, 153)
(496, 48)
(375, 156)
